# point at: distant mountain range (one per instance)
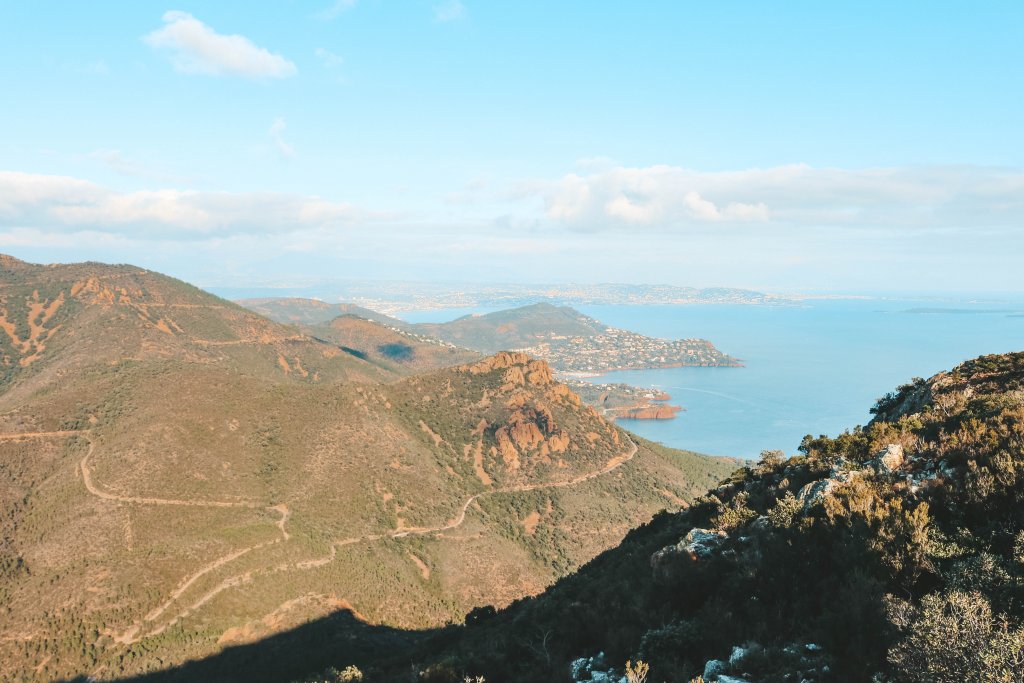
(395, 297)
(179, 474)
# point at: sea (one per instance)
(815, 367)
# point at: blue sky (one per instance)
(784, 146)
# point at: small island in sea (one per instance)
(624, 401)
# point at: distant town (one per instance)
(617, 349)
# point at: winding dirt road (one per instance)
(248, 577)
(136, 632)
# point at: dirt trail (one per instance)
(130, 635)
(249, 576)
(38, 435)
(134, 633)
(239, 342)
(613, 464)
(138, 500)
(221, 561)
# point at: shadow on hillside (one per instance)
(338, 639)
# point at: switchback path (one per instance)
(249, 576)
(96, 491)
(129, 635)
(135, 632)
(133, 635)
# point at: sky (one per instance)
(788, 146)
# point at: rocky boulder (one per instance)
(698, 544)
(889, 459)
(816, 491)
(594, 669)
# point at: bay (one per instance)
(813, 368)
(816, 368)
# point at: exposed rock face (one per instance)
(530, 431)
(702, 542)
(521, 370)
(11, 263)
(646, 412)
(737, 655)
(889, 460)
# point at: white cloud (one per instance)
(670, 197)
(276, 133)
(60, 204)
(449, 10)
(195, 48)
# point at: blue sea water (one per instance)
(816, 368)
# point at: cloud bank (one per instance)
(195, 48)
(674, 198)
(60, 204)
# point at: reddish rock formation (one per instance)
(645, 412)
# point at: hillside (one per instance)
(890, 553)
(396, 350)
(299, 311)
(386, 342)
(573, 342)
(515, 327)
(181, 475)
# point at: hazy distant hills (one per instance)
(393, 297)
(180, 474)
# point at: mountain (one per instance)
(393, 296)
(397, 350)
(298, 311)
(180, 475)
(387, 342)
(893, 552)
(573, 342)
(515, 327)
